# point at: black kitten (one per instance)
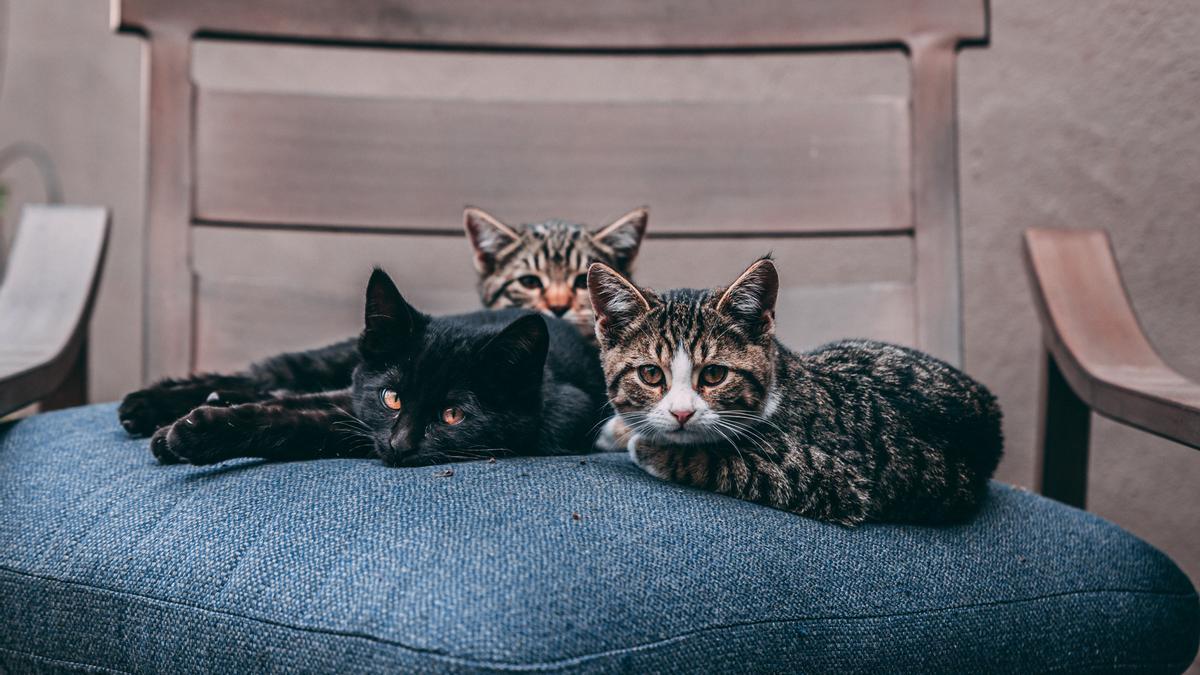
(423, 390)
(486, 383)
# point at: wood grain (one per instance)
(567, 77)
(1093, 336)
(411, 164)
(299, 156)
(568, 24)
(257, 294)
(935, 198)
(167, 333)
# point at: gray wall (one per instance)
(74, 88)
(1080, 113)
(1086, 113)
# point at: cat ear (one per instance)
(516, 356)
(615, 300)
(623, 236)
(388, 320)
(488, 237)
(751, 298)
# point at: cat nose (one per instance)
(401, 441)
(559, 311)
(683, 415)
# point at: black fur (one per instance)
(314, 371)
(528, 384)
(499, 366)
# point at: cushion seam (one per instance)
(1108, 667)
(581, 658)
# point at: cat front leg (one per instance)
(147, 410)
(808, 482)
(614, 435)
(289, 428)
(313, 371)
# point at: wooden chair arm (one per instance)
(1098, 357)
(46, 299)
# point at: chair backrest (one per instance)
(292, 145)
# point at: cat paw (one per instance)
(206, 435)
(146, 410)
(231, 397)
(850, 519)
(614, 435)
(849, 506)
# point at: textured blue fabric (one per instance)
(110, 561)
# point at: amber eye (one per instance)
(581, 281)
(530, 281)
(651, 375)
(390, 399)
(711, 376)
(453, 415)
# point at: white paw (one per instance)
(607, 441)
(648, 467)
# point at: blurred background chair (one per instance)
(45, 302)
(292, 145)
(1097, 358)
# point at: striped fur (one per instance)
(544, 265)
(850, 432)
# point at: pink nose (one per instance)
(683, 415)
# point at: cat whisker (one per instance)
(762, 448)
(742, 429)
(731, 442)
(753, 417)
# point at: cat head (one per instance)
(687, 366)
(544, 266)
(433, 389)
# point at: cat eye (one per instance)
(453, 415)
(711, 376)
(581, 281)
(530, 281)
(390, 399)
(651, 375)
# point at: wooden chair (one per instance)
(290, 147)
(1097, 358)
(45, 303)
(294, 143)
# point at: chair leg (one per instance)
(73, 391)
(1064, 426)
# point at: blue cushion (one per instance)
(567, 563)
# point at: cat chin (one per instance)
(679, 438)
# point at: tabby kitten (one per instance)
(540, 267)
(850, 432)
(544, 266)
(425, 390)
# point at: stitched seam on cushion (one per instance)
(1154, 666)
(63, 662)
(583, 658)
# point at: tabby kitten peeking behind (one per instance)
(849, 432)
(425, 390)
(544, 265)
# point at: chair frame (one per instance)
(929, 31)
(46, 300)
(1096, 358)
